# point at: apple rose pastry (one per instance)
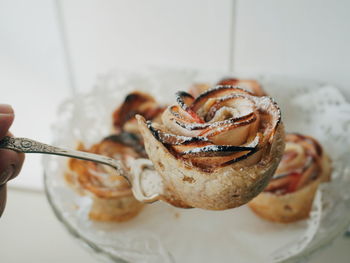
(135, 103)
(217, 151)
(248, 84)
(111, 193)
(290, 193)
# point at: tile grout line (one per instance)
(232, 36)
(64, 42)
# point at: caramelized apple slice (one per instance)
(234, 106)
(168, 138)
(185, 99)
(217, 92)
(230, 134)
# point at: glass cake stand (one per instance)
(162, 233)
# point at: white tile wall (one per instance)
(105, 34)
(307, 39)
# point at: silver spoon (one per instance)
(30, 146)
(26, 145)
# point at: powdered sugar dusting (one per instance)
(197, 126)
(173, 139)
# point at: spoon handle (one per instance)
(30, 146)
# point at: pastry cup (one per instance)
(222, 181)
(285, 208)
(222, 188)
(112, 197)
(296, 205)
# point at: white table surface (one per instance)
(31, 233)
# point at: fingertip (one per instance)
(10, 164)
(6, 120)
(19, 164)
(6, 109)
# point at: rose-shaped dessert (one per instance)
(217, 151)
(134, 103)
(111, 193)
(290, 193)
(248, 84)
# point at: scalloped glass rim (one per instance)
(105, 254)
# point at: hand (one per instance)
(10, 161)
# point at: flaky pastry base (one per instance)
(293, 206)
(108, 204)
(222, 187)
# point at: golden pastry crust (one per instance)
(112, 197)
(326, 175)
(280, 205)
(230, 157)
(222, 188)
(285, 208)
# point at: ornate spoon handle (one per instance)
(30, 146)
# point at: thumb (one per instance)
(6, 118)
